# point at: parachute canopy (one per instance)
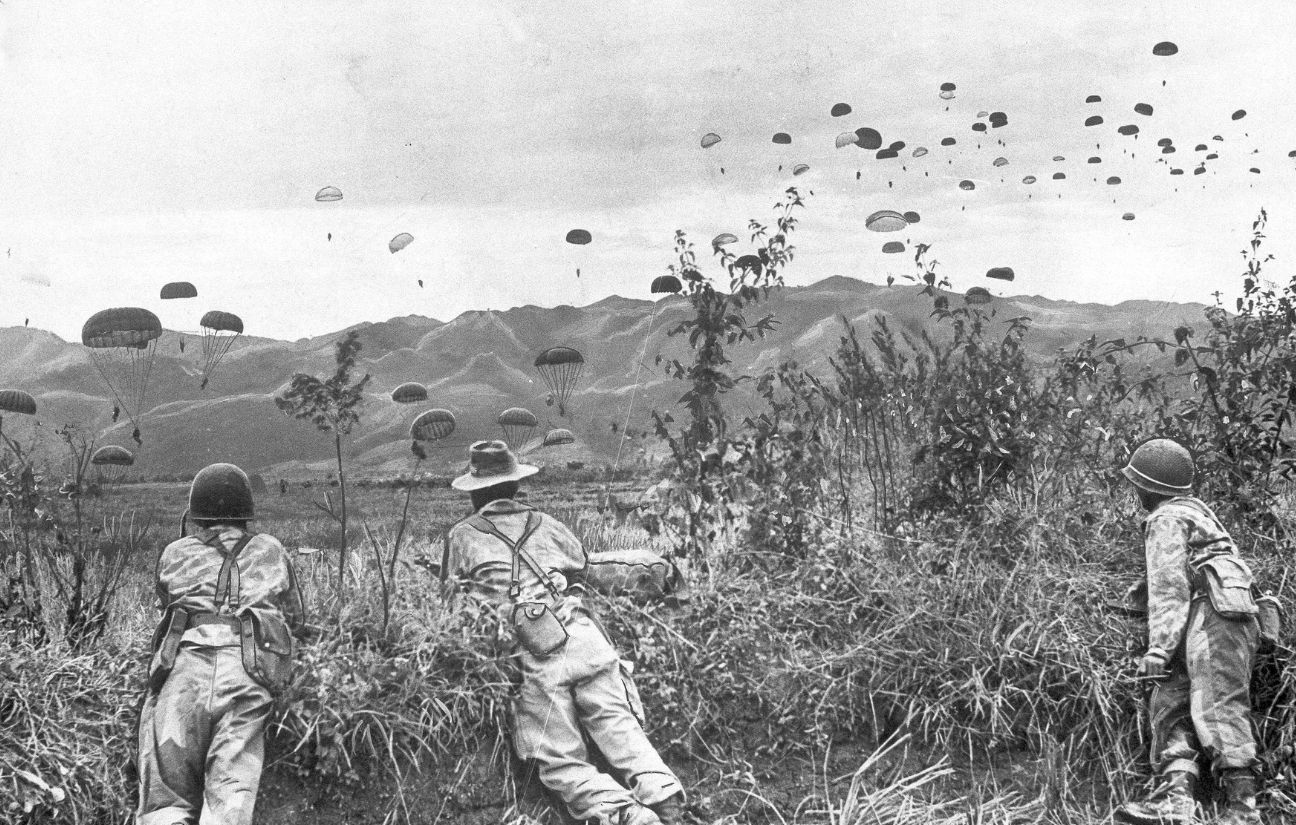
(1128, 216)
(328, 194)
(1095, 159)
(411, 392)
(579, 237)
(1059, 176)
(724, 238)
(949, 141)
(885, 220)
(978, 295)
(846, 139)
(1001, 273)
(1143, 108)
(1176, 171)
(1028, 179)
(998, 119)
(840, 109)
(1113, 181)
(967, 185)
(920, 151)
(219, 329)
(978, 126)
(947, 95)
(122, 342)
(112, 455)
(892, 247)
(1001, 161)
(1059, 158)
(1239, 114)
(800, 169)
(432, 425)
(868, 138)
(517, 423)
(1094, 120)
(17, 401)
(561, 369)
(664, 284)
(399, 242)
(1164, 49)
(1164, 142)
(947, 87)
(1168, 149)
(710, 139)
(886, 154)
(553, 438)
(178, 289)
(1093, 99)
(912, 217)
(781, 138)
(1128, 129)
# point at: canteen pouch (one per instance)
(1227, 581)
(1271, 620)
(538, 628)
(166, 644)
(267, 647)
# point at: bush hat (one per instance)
(491, 463)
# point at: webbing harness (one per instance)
(485, 525)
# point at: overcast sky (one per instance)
(145, 142)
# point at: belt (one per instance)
(225, 619)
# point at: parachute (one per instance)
(122, 343)
(982, 113)
(710, 139)
(920, 151)
(1164, 49)
(1095, 159)
(886, 154)
(1239, 114)
(112, 461)
(949, 141)
(219, 329)
(554, 438)
(1128, 216)
(1001, 161)
(1059, 158)
(399, 242)
(781, 138)
(846, 139)
(800, 169)
(946, 95)
(1255, 170)
(885, 220)
(561, 369)
(1143, 108)
(1059, 176)
(869, 138)
(1200, 170)
(1113, 181)
(723, 238)
(896, 146)
(977, 295)
(1028, 179)
(579, 237)
(17, 401)
(178, 289)
(518, 424)
(967, 185)
(1164, 142)
(1093, 120)
(998, 119)
(1129, 129)
(1093, 99)
(666, 284)
(1176, 171)
(1201, 147)
(947, 87)
(912, 217)
(411, 392)
(840, 109)
(1168, 149)
(432, 425)
(1001, 273)
(978, 126)
(892, 247)
(328, 194)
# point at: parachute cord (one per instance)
(643, 351)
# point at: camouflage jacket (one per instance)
(188, 568)
(481, 565)
(1179, 535)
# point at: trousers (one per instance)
(1204, 705)
(586, 690)
(202, 742)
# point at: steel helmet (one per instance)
(1162, 466)
(220, 492)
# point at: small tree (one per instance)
(331, 404)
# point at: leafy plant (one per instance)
(331, 404)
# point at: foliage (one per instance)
(331, 404)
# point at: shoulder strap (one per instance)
(485, 525)
(228, 568)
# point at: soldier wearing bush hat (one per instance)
(574, 685)
(1202, 637)
(223, 648)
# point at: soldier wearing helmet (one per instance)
(1202, 637)
(575, 688)
(230, 602)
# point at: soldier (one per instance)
(229, 599)
(574, 685)
(1202, 638)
